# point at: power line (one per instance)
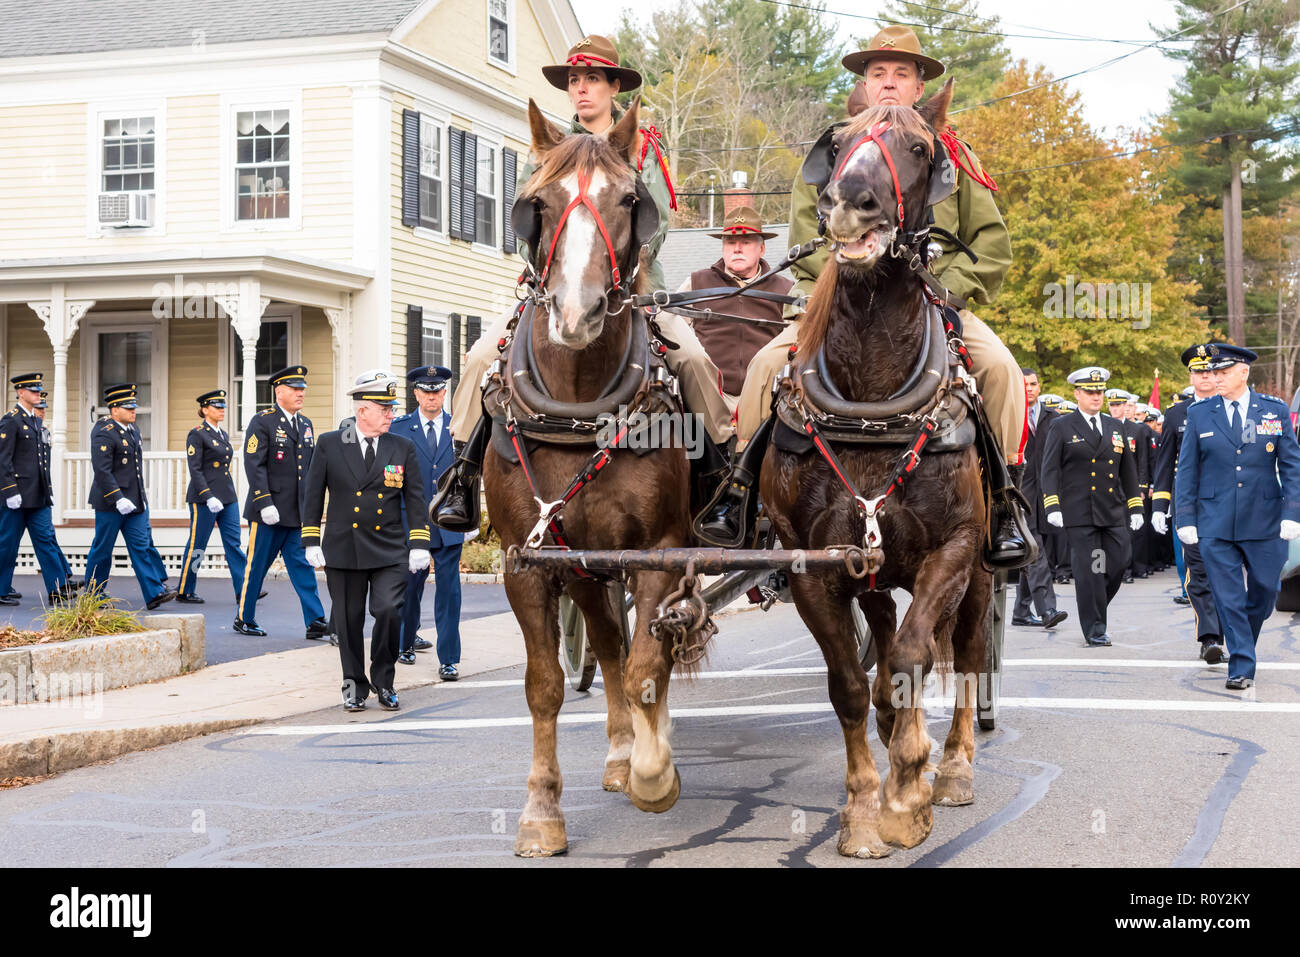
(1024, 26)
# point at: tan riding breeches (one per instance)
(996, 373)
(697, 375)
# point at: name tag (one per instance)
(1206, 435)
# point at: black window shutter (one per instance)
(473, 330)
(453, 344)
(410, 168)
(456, 145)
(509, 161)
(469, 188)
(414, 347)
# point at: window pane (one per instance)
(485, 225)
(262, 149)
(498, 41)
(431, 345)
(486, 171)
(112, 127)
(281, 148)
(430, 203)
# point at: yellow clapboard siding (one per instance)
(318, 356)
(192, 369)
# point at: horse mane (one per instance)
(817, 318)
(906, 119)
(578, 151)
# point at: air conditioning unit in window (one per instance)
(126, 209)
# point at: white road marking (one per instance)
(819, 707)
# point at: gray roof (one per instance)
(686, 250)
(46, 27)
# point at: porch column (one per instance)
(340, 321)
(60, 316)
(245, 312)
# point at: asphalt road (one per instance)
(1134, 755)
(279, 613)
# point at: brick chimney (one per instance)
(738, 195)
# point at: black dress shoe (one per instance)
(189, 599)
(1102, 641)
(1239, 684)
(421, 645)
(353, 704)
(249, 628)
(318, 630)
(1182, 600)
(1213, 651)
(1029, 621)
(448, 673)
(387, 699)
(1128, 579)
(15, 595)
(1054, 618)
(406, 658)
(6, 600)
(157, 600)
(62, 594)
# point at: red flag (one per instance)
(1155, 393)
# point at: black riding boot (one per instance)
(1013, 544)
(456, 506)
(725, 521)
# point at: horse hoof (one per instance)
(906, 827)
(953, 790)
(862, 841)
(540, 839)
(616, 775)
(664, 803)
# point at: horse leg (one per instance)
(604, 631)
(905, 816)
(954, 785)
(828, 617)
(541, 825)
(882, 617)
(653, 784)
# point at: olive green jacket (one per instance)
(969, 213)
(652, 176)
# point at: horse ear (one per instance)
(527, 223)
(623, 136)
(935, 109)
(546, 135)
(816, 169)
(645, 217)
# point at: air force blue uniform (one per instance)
(1236, 486)
(434, 458)
(209, 452)
(25, 473)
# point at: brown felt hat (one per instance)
(743, 221)
(894, 43)
(597, 51)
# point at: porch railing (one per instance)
(166, 477)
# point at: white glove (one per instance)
(214, 505)
(1187, 535)
(419, 560)
(125, 506)
(270, 515)
(315, 555)
(1135, 522)
(14, 501)
(1160, 522)
(471, 535)
(1055, 520)
(1290, 529)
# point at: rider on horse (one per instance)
(895, 71)
(592, 77)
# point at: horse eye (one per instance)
(538, 203)
(918, 149)
(628, 201)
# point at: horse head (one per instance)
(585, 215)
(886, 169)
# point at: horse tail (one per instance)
(812, 328)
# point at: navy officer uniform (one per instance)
(117, 495)
(433, 448)
(1089, 482)
(212, 500)
(1036, 579)
(1196, 584)
(1237, 495)
(27, 491)
(371, 541)
(1138, 438)
(277, 454)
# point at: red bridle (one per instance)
(873, 136)
(582, 199)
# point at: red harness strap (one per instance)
(873, 136)
(962, 157)
(582, 199)
(650, 137)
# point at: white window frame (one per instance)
(92, 396)
(431, 319)
(231, 107)
(442, 119)
(234, 355)
(96, 114)
(512, 28)
(496, 141)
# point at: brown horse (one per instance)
(638, 502)
(868, 315)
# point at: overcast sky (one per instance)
(1126, 93)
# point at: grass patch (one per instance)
(481, 557)
(90, 614)
(11, 637)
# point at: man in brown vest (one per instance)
(741, 325)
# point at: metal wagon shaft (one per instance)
(705, 561)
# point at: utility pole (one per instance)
(1234, 265)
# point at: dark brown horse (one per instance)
(638, 502)
(868, 315)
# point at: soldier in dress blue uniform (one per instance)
(277, 454)
(118, 497)
(211, 497)
(373, 535)
(429, 427)
(1237, 495)
(1191, 567)
(1089, 480)
(27, 491)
